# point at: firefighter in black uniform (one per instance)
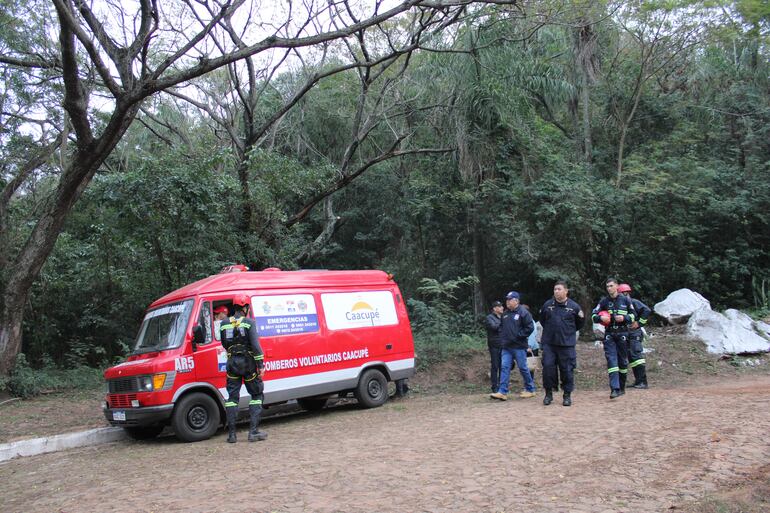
(245, 363)
(635, 337)
(617, 314)
(492, 323)
(561, 319)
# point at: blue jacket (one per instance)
(517, 324)
(560, 322)
(642, 312)
(621, 305)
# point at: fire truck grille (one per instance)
(123, 385)
(120, 400)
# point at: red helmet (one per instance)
(604, 313)
(624, 287)
(241, 300)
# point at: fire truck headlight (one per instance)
(158, 380)
(145, 384)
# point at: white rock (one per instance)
(680, 305)
(747, 322)
(598, 331)
(763, 328)
(740, 318)
(723, 334)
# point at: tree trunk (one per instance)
(478, 262)
(586, 109)
(11, 316)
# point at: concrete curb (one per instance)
(60, 442)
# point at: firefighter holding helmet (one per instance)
(616, 312)
(245, 364)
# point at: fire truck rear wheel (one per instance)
(196, 417)
(372, 389)
(144, 432)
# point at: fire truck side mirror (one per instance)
(198, 337)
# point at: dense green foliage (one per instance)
(515, 204)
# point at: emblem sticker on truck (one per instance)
(359, 309)
(285, 314)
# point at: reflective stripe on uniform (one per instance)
(623, 371)
(613, 369)
(640, 361)
(255, 401)
(229, 404)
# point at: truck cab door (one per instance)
(210, 357)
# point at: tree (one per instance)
(122, 57)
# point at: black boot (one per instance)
(548, 399)
(615, 393)
(567, 400)
(255, 412)
(623, 378)
(641, 377)
(232, 414)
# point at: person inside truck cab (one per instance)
(220, 314)
(245, 364)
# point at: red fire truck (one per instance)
(322, 332)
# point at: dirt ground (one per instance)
(695, 442)
(652, 450)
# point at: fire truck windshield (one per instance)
(163, 328)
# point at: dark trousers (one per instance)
(559, 360)
(636, 359)
(254, 387)
(616, 353)
(495, 358)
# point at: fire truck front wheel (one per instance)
(372, 389)
(195, 418)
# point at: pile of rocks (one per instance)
(731, 332)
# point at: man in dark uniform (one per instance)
(635, 337)
(617, 314)
(561, 319)
(492, 323)
(245, 363)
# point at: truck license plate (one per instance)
(119, 415)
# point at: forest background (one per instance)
(468, 148)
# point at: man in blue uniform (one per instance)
(516, 326)
(245, 364)
(617, 314)
(492, 324)
(561, 319)
(635, 337)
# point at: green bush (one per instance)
(28, 382)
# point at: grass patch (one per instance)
(433, 349)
